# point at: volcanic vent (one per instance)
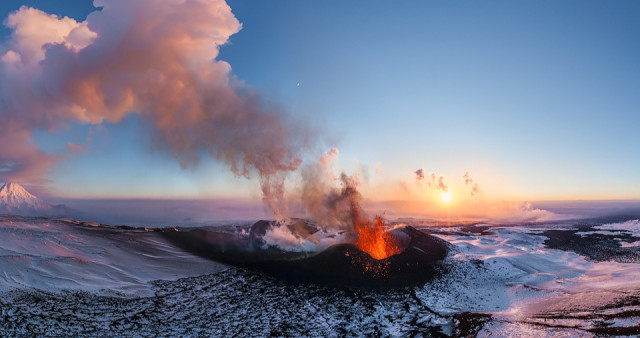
(351, 251)
(416, 255)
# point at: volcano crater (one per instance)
(343, 264)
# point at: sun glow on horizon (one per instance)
(445, 197)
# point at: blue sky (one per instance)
(536, 99)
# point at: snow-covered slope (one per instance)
(16, 199)
(66, 278)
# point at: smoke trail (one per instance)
(467, 178)
(333, 202)
(474, 189)
(441, 185)
(419, 176)
(469, 181)
(325, 203)
(432, 181)
(153, 58)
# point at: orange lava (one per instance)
(373, 239)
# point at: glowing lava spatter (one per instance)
(369, 237)
(374, 240)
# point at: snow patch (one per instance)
(55, 255)
(282, 237)
(632, 226)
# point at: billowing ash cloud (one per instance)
(468, 181)
(320, 198)
(332, 201)
(149, 57)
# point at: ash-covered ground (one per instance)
(578, 278)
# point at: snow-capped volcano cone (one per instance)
(13, 197)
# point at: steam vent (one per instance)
(343, 264)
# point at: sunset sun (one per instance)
(445, 197)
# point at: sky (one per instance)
(537, 100)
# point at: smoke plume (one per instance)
(467, 178)
(419, 176)
(432, 180)
(441, 185)
(324, 202)
(152, 58)
(468, 181)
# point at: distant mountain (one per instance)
(15, 199)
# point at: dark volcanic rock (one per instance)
(341, 264)
(259, 229)
(596, 244)
(232, 303)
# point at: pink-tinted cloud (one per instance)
(153, 58)
(20, 159)
(74, 148)
(467, 178)
(329, 157)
